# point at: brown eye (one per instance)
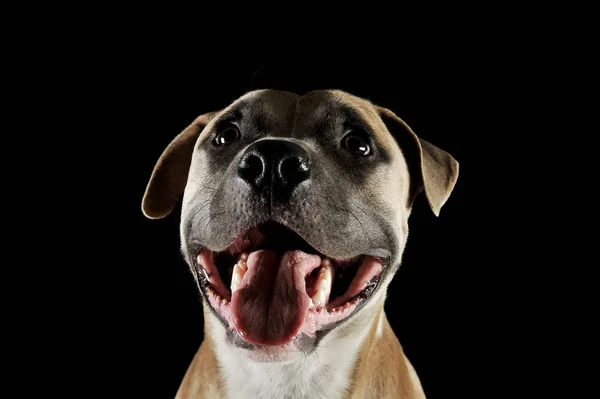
(229, 135)
(357, 144)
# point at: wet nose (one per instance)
(276, 164)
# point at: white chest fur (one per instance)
(326, 373)
(309, 378)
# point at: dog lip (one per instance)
(385, 255)
(380, 253)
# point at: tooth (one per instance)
(312, 304)
(244, 256)
(320, 298)
(323, 285)
(238, 273)
(224, 301)
(346, 305)
(206, 274)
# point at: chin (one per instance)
(272, 354)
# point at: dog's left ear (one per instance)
(170, 174)
(432, 169)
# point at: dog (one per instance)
(293, 222)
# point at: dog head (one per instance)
(295, 210)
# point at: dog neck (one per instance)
(326, 372)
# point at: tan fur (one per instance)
(202, 379)
(382, 370)
(439, 170)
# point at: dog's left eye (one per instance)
(356, 144)
(227, 136)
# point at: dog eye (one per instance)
(227, 136)
(356, 144)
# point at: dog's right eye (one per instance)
(227, 136)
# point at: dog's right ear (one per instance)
(170, 174)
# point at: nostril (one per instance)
(251, 168)
(293, 170)
(274, 165)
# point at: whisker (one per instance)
(202, 185)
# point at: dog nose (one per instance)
(280, 164)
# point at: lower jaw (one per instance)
(300, 347)
(267, 354)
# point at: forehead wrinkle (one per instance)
(254, 102)
(310, 113)
(326, 107)
(274, 112)
(351, 107)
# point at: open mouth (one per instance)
(270, 285)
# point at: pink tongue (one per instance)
(271, 303)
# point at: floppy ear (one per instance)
(170, 174)
(432, 169)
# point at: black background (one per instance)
(147, 310)
(96, 98)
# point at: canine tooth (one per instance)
(244, 256)
(237, 275)
(321, 296)
(326, 270)
(312, 304)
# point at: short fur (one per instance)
(359, 357)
